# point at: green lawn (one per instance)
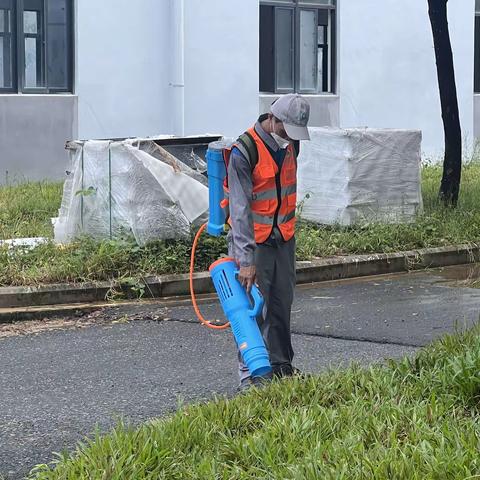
(411, 419)
(26, 211)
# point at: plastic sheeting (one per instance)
(23, 243)
(349, 176)
(117, 188)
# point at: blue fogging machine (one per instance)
(240, 308)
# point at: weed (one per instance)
(410, 419)
(26, 211)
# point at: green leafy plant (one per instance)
(416, 418)
(25, 210)
(86, 192)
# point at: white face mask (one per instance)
(281, 142)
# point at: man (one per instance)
(262, 176)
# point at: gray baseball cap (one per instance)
(294, 112)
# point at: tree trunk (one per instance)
(452, 164)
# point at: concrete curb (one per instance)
(17, 314)
(178, 285)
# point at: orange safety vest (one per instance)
(266, 204)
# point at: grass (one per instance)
(26, 211)
(410, 419)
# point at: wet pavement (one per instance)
(137, 362)
(406, 309)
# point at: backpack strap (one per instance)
(248, 147)
(296, 146)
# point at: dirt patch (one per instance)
(104, 316)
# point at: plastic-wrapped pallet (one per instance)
(116, 188)
(349, 176)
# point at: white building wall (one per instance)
(386, 65)
(33, 130)
(221, 65)
(122, 68)
(124, 62)
(387, 72)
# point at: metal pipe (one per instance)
(177, 82)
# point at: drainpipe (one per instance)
(177, 82)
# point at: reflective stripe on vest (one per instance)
(268, 194)
(265, 203)
(286, 218)
(262, 219)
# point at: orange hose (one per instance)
(205, 322)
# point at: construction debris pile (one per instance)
(130, 187)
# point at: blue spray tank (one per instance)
(240, 308)
(216, 175)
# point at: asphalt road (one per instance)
(58, 386)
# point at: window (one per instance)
(297, 46)
(36, 46)
(477, 47)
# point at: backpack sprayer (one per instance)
(237, 305)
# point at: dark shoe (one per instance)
(245, 385)
(283, 371)
(257, 382)
(261, 382)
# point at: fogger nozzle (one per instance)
(242, 315)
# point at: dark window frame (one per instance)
(39, 7)
(476, 67)
(326, 51)
(329, 48)
(10, 6)
(17, 49)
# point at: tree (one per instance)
(452, 163)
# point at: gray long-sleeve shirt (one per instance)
(242, 237)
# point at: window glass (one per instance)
(322, 37)
(30, 22)
(36, 45)
(284, 48)
(32, 63)
(33, 49)
(2, 64)
(5, 49)
(298, 46)
(316, 2)
(58, 45)
(308, 50)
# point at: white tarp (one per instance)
(23, 243)
(360, 175)
(116, 188)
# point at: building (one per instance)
(115, 68)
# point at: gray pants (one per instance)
(276, 278)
